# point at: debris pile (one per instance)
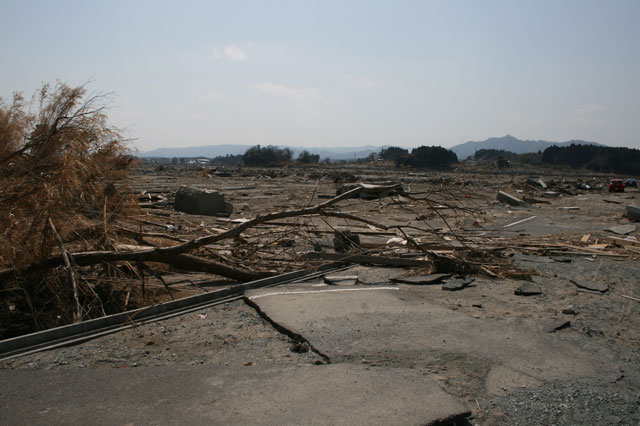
(187, 238)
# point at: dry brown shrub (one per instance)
(62, 162)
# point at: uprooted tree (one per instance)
(60, 165)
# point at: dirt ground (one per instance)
(567, 241)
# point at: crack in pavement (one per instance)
(298, 338)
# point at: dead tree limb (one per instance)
(159, 277)
(137, 234)
(164, 254)
(199, 264)
(355, 218)
(176, 255)
(315, 189)
(77, 315)
(368, 259)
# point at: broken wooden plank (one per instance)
(626, 242)
(585, 249)
(609, 200)
(598, 246)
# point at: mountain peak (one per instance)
(510, 143)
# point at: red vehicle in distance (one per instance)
(616, 185)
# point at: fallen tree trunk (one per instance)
(437, 263)
(368, 259)
(167, 254)
(199, 264)
(183, 261)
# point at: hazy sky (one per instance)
(343, 73)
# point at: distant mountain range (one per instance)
(509, 143)
(464, 150)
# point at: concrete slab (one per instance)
(591, 285)
(510, 199)
(381, 323)
(457, 284)
(206, 395)
(528, 289)
(633, 213)
(622, 229)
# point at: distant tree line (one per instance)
(530, 158)
(269, 156)
(430, 157)
(307, 158)
(491, 156)
(226, 160)
(393, 153)
(596, 158)
(592, 157)
(257, 156)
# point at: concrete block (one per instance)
(510, 199)
(201, 201)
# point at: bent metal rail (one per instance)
(83, 331)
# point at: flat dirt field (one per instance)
(558, 276)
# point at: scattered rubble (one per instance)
(630, 242)
(371, 191)
(537, 182)
(430, 224)
(344, 241)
